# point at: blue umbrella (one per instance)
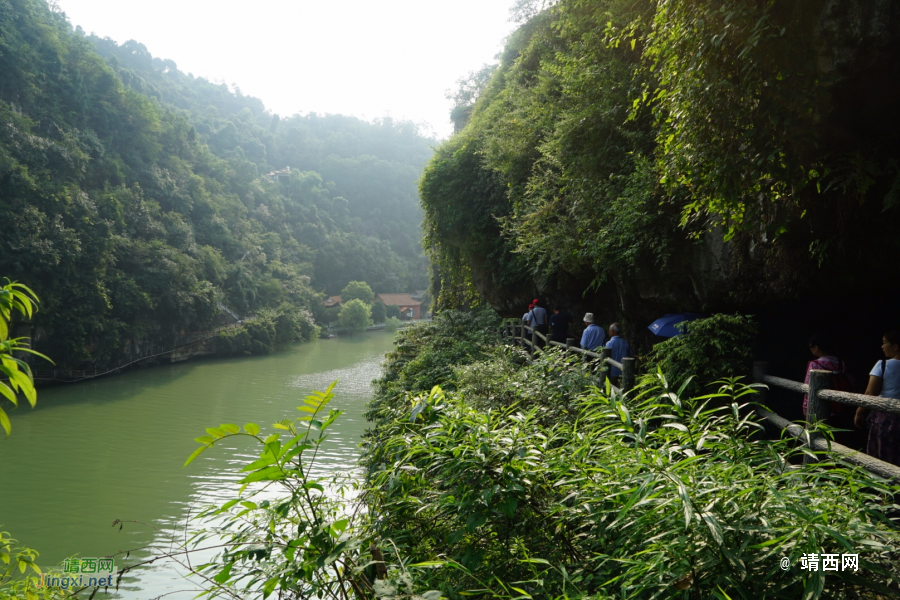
(666, 326)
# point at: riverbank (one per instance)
(256, 336)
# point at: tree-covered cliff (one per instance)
(637, 158)
(134, 197)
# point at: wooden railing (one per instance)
(818, 408)
(517, 331)
(150, 350)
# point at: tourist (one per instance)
(593, 336)
(821, 346)
(884, 381)
(539, 319)
(526, 318)
(559, 325)
(619, 351)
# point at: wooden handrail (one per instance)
(627, 366)
(874, 402)
(890, 405)
(858, 458)
(794, 386)
(818, 409)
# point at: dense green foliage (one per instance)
(379, 312)
(427, 353)
(526, 478)
(355, 315)
(357, 290)
(133, 197)
(266, 332)
(712, 348)
(613, 135)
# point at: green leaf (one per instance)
(225, 574)
(273, 473)
(194, 455)
(251, 428)
(230, 428)
(270, 587)
(4, 422)
(215, 432)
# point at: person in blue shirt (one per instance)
(593, 336)
(539, 321)
(620, 349)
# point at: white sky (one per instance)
(368, 58)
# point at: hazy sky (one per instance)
(368, 58)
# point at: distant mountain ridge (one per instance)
(133, 197)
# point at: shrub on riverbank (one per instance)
(428, 352)
(522, 476)
(270, 330)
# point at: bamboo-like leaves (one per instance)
(15, 297)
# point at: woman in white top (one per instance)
(884, 381)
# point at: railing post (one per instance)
(533, 341)
(569, 343)
(604, 366)
(816, 408)
(627, 374)
(760, 368)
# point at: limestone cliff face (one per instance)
(826, 259)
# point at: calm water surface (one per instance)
(91, 453)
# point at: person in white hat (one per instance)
(593, 336)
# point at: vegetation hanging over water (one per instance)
(134, 198)
(620, 143)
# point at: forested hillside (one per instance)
(134, 198)
(639, 158)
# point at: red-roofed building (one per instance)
(409, 308)
(333, 301)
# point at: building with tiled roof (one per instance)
(409, 308)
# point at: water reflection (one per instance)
(112, 449)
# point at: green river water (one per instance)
(94, 452)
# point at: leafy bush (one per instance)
(379, 311)
(653, 496)
(270, 330)
(392, 324)
(506, 379)
(711, 348)
(357, 290)
(355, 315)
(428, 352)
(392, 312)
